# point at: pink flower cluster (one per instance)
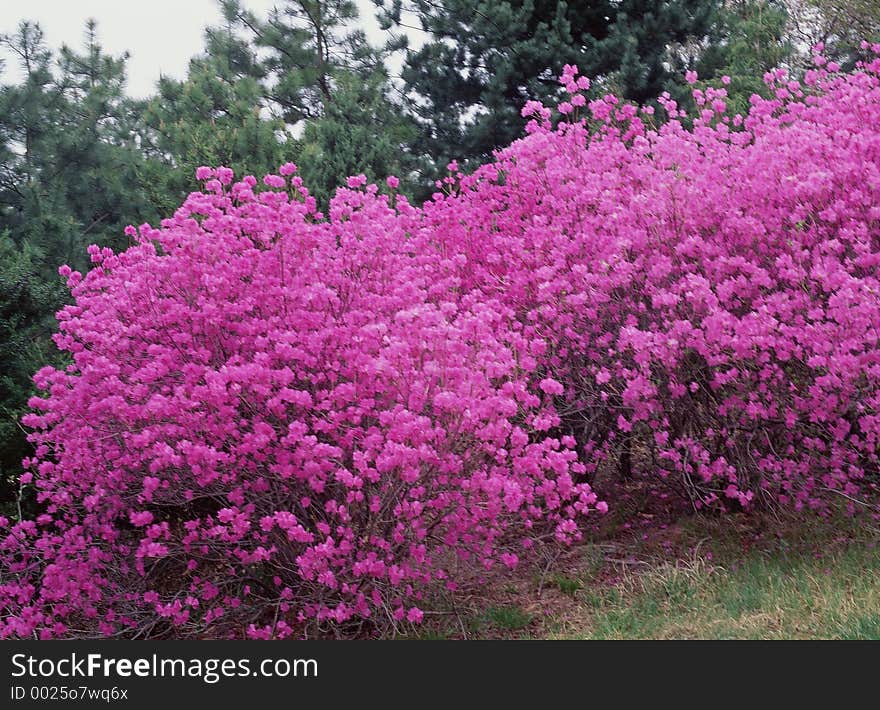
(277, 421)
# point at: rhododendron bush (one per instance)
(709, 295)
(272, 418)
(277, 422)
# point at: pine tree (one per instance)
(752, 40)
(68, 178)
(97, 160)
(27, 301)
(307, 45)
(323, 78)
(361, 131)
(217, 115)
(484, 60)
(30, 115)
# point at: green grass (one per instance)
(730, 577)
(807, 588)
(565, 584)
(503, 618)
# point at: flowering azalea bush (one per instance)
(708, 290)
(276, 420)
(272, 418)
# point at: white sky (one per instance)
(160, 35)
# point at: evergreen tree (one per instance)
(30, 114)
(97, 160)
(484, 60)
(361, 131)
(752, 40)
(27, 302)
(307, 45)
(323, 78)
(68, 178)
(218, 115)
(72, 163)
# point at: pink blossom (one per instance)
(551, 386)
(140, 518)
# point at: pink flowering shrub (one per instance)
(273, 419)
(277, 421)
(709, 295)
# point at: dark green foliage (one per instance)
(307, 44)
(484, 60)
(360, 132)
(324, 77)
(216, 116)
(752, 40)
(27, 302)
(69, 177)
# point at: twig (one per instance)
(848, 497)
(550, 561)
